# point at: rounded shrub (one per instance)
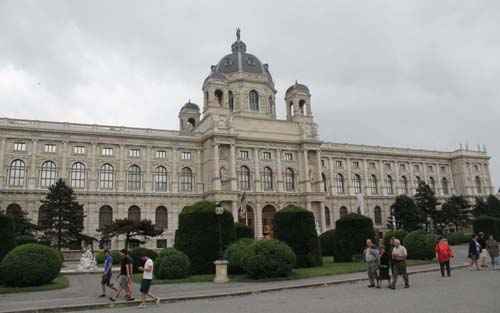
(327, 241)
(420, 245)
(7, 235)
(138, 253)
(488, 225)
(458, 238)
(198, 235)
(115, 254)
(297, 228)
(30, 265)
(243, 231)
(172, 264)
(268, 259)
(351, 232)
(236, 253)
(398, 234)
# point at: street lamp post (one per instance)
(220, 264)
(219, 210)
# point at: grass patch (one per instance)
(329, 268)
(59, 283)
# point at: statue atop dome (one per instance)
(238, 34)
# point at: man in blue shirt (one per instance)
(106, 276)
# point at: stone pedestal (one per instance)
(221, 271)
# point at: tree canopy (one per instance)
(406, 214)
(131, 229)
(427, 203)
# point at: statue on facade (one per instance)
(238, 34)
(87, 261)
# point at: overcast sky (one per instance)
(421, 73)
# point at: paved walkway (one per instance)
(84, 289)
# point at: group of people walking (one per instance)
(381, 262)
(125, 278)
(480, 249)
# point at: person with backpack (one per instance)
(443, 255)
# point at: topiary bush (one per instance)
(243, 231)
(420, 245)
(115, 254)
(236, 253)
(351, 232)
(7, 235)
(488, 225)
(398, 234)
(138, 253)
(172, 264)
(198, 235)
(458, 238)
(268, 259)
(30, 265)
(327, 242)
(297, 228)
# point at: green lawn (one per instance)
(329, 268)
(59, 283)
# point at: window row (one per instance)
(134, 214)
(267, 178)
(253, 100)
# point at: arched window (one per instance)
(373, 185)
(106, 174)
(253, 99)
(479, 188)
(17, 172)
(161, 217)
(105, 216)
(230, 98)
(356, 183)
(404, 184)
(444, 186)
(390, 184)
(291, 108)
(328, 218)
(48, 173)
(325, 182)
(343, 211)
(432, 184)
(267, 179)
(192, 122)
(14, 210)
(160, 179)
(302, 105)
(219, 96)
(289, 179)
(134, 213)
(340, 183)
(134, 178)
(244, 178)
(378, 215)
(186, 179)
(77, 175)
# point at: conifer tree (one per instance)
(406, 214)
(427, 203)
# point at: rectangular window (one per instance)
(288, 156)
(266, 155)
(107, 151)
(79, 150)
(339, 164)
(355, 164)
(161, 154)
(373, 165)
(243, 155)
(134, 153)
(430, 168)
(402, 167)
(443, 169)
(323, 163)
(161, 243)
(186, 155)
(50, 148)
(416, 168)
(19, 146)
(388, 166)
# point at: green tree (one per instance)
(405, 211)
(131, 229)
(455, 211)
(23, 228)
(493, 206)
(427, 203)
(480, 207)
(62, 219)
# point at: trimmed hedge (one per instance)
(297, 228)
(7, 235)
(243, 231)
(351, 232)
(268, 259)
(420, 245)
(327, 241)
(458, 238)
(198, 235)
(115, 254)
(172, 264)
(236, 253)
(137, 253)
(30, 265)
(398, 234)
(488, 225)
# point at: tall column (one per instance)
(199, 178)
(306, 170)
(235, 207)
(92, 173)
(122, 178)
(257, 177)
(174, 185)
(348, 179)
(319, 177)
(3, 174)
(216, 170)
(147, 180)
(234, 177)
(258, 222)
(33, 181)
(64, 151)
(323, 217)
(366, 178)
(332, 177)
(383, 187)
(439, 189)
(279, 172)
(396, 180)
(412, 179)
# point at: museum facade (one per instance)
(233, 150)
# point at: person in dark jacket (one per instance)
(474, 251)
(384, 266)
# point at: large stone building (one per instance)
(235, 145)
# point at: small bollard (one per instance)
(221, 271)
